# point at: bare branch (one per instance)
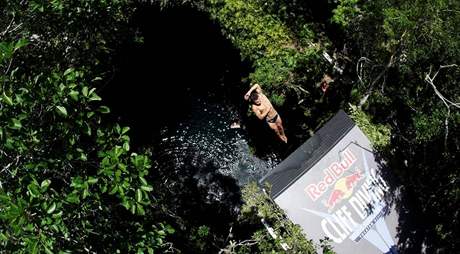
(7, 28)
(359, 67)
(14, 162)
(10, 28)
(382, 75)
(233, 245)
(448, 103)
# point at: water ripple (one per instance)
(206, 137)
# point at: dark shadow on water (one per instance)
(183, 57)
(158, 84)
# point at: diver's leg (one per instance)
(279, 124)
(278, 130)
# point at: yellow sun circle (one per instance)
(341, 185)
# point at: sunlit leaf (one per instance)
(140, 209)
(61, 110)
(104, 109)
(15, 124)
(147, 188)
(45, 183)
(74, 95)
(73, 198)
(68, 71)
(51, 208)
(92, 180)
(138, 195)
(7, 99)
(95, 97)
(33, 190)
(84, 91)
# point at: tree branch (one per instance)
(393, 59)
(10, 28)
(448, 103)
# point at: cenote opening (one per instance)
(179, 91)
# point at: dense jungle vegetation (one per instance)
(75, 178)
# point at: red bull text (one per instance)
(331, 175)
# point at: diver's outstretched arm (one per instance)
(254, 87)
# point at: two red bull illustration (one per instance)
(332, 187)
(365, 206)
(342, 187)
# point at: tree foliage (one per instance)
(407, 66)
(289, 237)
(282, 59)
(66, 179)
(71, 182)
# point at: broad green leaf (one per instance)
(140, 209)
(126, 146)
(74, 95)
(83, 157)
(90, 114)
(85, 193)
(73, 198)
(95, 97)
(104, 109)
(169, 229)
(61, 110)
(138, 195)
(45, 183)
(124, 130)
(143, 181)
(114, 190)
(87, 129)
(15, 124)
(69, 70)
(33, 190)
(6, 50)
(76, 182)
(51, 208)
(48, 251)
(92, 180)
(57, 215)
(7, 99)
(84, 91)
(117, 128)
(92, 91)
(126, 204)
(147, 188)
(3, 237)
(133, 209)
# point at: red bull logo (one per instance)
(331, 174)
(343, 189)
(335, 197)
